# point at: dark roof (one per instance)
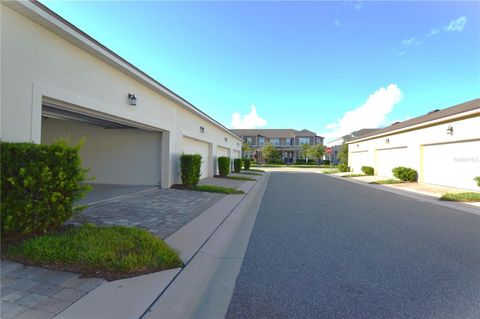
(360, 133)
(430, 116)
(273, 133)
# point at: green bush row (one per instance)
(342, 167)
(39, 185)
(190, 168)
(405, 174)
(224, 165)
(246, 163)
(368, 170)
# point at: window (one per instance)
(248, 140)
(288, 141)
(275, 141)
(261, 141)
(303, 140)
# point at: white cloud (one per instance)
(250, 120)
(456, 25)
(411, 41)
(372, 114)
(337, 23)
(400, 53)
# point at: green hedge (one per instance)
(405, 174)
(368, 170)
(237, 165)
(343, 167)
(190, 165)
(223, 165)
(247, 163)
(39, 185)
(477, 179)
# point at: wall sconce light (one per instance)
(450, 130)
(132, 100)
(387, 141)
(202, 129)
(358, 145)
(225, 139)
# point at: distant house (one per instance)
(443, 146)
(288, 141)
(335, 143)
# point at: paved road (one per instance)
(328, 248)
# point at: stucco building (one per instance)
(443, 146)
(57, 81)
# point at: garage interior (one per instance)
(122, 158)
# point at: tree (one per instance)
(343, 154)
(319, 151)
(246, 148)
(270, 152)
(306, 152)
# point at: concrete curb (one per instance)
(184, 295)
(413, 195)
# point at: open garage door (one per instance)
(452, 164)
(115, 153)
(387, 159)
(192, 146)
(358, 159)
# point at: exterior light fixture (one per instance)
(450, 130)
(132, 100)
(387, 141)
(202, 129)
(225, 139)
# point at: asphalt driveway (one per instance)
(326, 248)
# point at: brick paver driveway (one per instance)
(160, 211)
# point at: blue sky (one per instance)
(330, 67)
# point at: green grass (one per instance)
(387, 181)
(269, 165)
(217, 189)
(305, 166)
(109, 252)
(255, 170)
(331, 171)
(251, 173)
(240, 178)
(354, 175)
(461, 197)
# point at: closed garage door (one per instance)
(222, 151)
(387, 159)
(358, 159)
(114, 154)
(192, 146)
(236, 154)
(452, 164)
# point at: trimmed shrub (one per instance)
(477, 179)
(223, 166)
(405, 174)
(368, 170)
(246, 163)
(343, 167)
(39, 185)
(237, 165)
(190, 165)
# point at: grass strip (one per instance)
(332, 171)
(387, 181)
(217, 189)
(240, 178)
(251, 173)
(461, 197)
(109, 252)
(255, 170)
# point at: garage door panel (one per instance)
(358, 160)
(192, 146)
(387, 159)
(125, 156)
(452, 164)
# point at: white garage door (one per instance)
(453, 164)
(387, 159)
(357, 160)
(113, 154)
(192, 146)
(236, 154)
(222, 151)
